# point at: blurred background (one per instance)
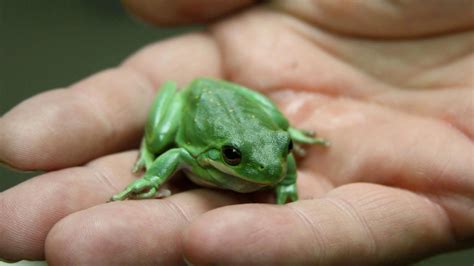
(51, 44)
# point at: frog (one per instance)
(221, 135)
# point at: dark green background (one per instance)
(50, 44)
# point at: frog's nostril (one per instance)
(261, 167)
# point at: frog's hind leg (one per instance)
(162, 124)
(267, 105)
(297, 135)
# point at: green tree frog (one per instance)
(221, 135)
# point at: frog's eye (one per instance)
(290, 146)
(231, 155)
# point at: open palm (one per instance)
(395, 100)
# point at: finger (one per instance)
(341, 71)
(335, 64)
(29, 210)
(436, 103)
(183, 11)
(312, 185)
(255, 47)
(359, 223)
(346, 122)
(102, 114)
(371, 143)
(144, 232)
(385, 18)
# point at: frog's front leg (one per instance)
(159, 172)
(306, 137)
(286, 189)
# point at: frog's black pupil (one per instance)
(231, 155)
(290, 146)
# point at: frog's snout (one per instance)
(271, 172)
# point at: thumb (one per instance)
(357, 224)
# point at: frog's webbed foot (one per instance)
(139, 189)
(285, 193)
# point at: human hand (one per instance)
(396, 185)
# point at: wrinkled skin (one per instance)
(390, 82)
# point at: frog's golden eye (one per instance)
(290, 146)
(231, 155)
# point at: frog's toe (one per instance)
(163, 193)
(285, 193)
(308, 133)
(138, 187)
(299, 150)
(293, 197)
(143, 163)
(121, 195)
(151, 193)
(321, 141)
(281, 199)
(284, 198)
(138, 166)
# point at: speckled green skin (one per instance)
(187, 129)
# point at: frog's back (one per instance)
(216, 111)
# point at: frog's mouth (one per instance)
(232, 174)
(225, 181)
